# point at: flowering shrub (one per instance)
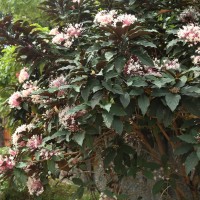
(23, 75)
(107, 85)
(67, 35)
(190, 33)
(14, 100)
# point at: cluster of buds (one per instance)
(196, 58)
(23, 75)
(34, 142)
(35, 186)
(160, 174)
(171, 64)
(58, 82)
(190, 33)
(19, 133)
(48, 114)
(69, 121)
(189, 15)
(28, 88)
(6, 163)
(166, 64)
(104, 18)
(67, 35)
(135, 67)
(46, 154)
(15, 100)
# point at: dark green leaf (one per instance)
(148, 174)
(158, 186)
(188, 138)
(109, 157)
(136, 91)
(117, 125)
(109, 55)
(119, 64)
(51, 166)
(77, 181)
(144, 58)
(96, 99)
(79, 138)
(125, 99)
(59, 133)
(21, 165)
(108, 119)
(76, 109)
(185, 148)
(145, 43)
(143, 103)
(191, 162)
(78, 194)
(172, 100)
(198, 153)
(117, 110)
(110, 74)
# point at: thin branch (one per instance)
(166, 135)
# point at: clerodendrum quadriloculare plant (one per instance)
(111, 87)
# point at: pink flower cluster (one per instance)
(6, 163)
(74, 31)
(23, 75)
(66, 37)
(196, 58)
(34, 142)
(58, 82)
(135, 67)
(15, 100)
(125, 19)
(28, 88)
(36, 99)
(19, 133)
(166, 64)
(47, 154)
(54, 31)
(104, 18)
(190, 33)
(171, 64)
(35, 186)
(69, 121)
(13, 153)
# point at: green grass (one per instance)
(57, 191)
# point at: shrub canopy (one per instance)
(116, 81)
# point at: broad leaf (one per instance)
(143, 103)
(125, 99)
(188, 138)
(79, 138)
(191, 162)
(118, 125)
(108, 119)
(172, 100)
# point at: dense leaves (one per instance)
(114, 88)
